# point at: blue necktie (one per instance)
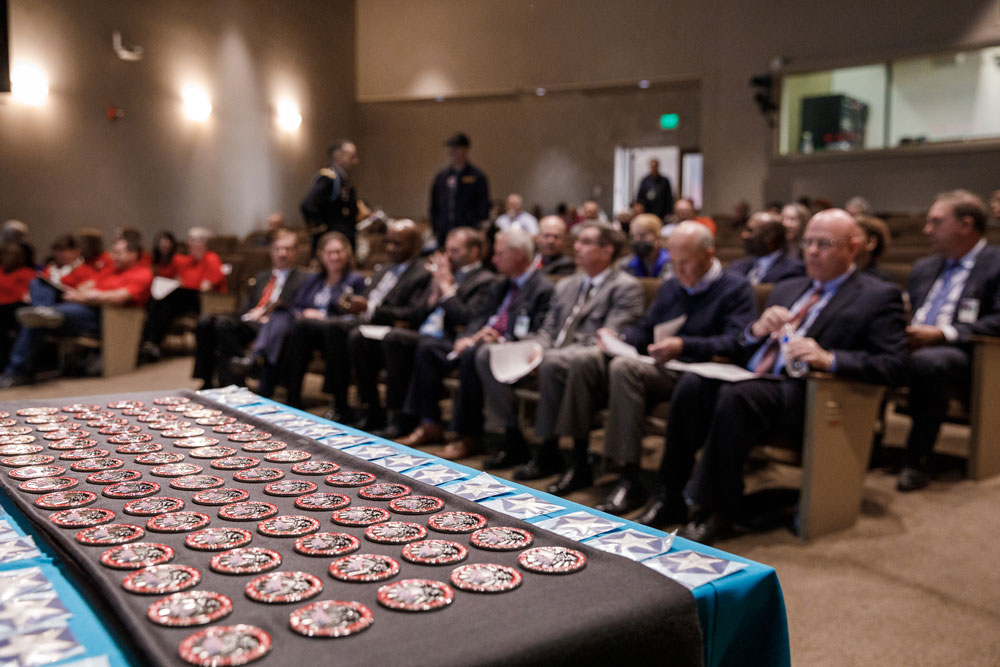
(941, 298)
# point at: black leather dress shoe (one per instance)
(663, 512)
(340, 415)
(540, 465)
(625, 497)
(506, 458)
(714, 528)
(912, 479)
(576, 478)
(373, 420)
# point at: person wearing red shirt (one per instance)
(94, 261)
(164, 251)
(15, 277)
(198, 271)
(127, 284)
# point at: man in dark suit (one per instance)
(514, 309)
(551, 259)
(391, 296)
(764, 242)
(716, 307)
(597, 295)
(955, 294)
(457, 290)
(655, 193)
(331, 205)
(460, 194)
(836, 319)
(220, 338)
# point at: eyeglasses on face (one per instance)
(821, 244)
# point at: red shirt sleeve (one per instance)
(14, 285)
(79, 275)
(136, 279)
(192, 273)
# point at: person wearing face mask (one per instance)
(648, 259)
(768, 261)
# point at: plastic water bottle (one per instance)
(796, 368)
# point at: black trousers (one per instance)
(220, 338)
(159, 314)
(8, 330)
(399, 349)
(330, 336)
(936, 374)
(430, 367)
(726, 419)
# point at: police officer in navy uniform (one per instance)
(460, 195)
(332, 203)
(655, 193)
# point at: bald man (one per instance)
(846, 323)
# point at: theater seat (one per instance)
(121, 333)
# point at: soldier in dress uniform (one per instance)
(332, 203)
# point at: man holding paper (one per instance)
(597, 295)
(837, 319)
(698, 314)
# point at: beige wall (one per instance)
(457, 48)
(65, 165)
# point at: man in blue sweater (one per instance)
(716, 306)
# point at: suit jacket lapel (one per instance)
(596, 297)
(845, 296)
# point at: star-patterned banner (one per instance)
(21, 548)
(633, 544)
(39, 648)
(479, 487)
(373, 451)
(15, 583)
(692, 569)
(344, 441)
(32, 612)
(436, 474)
(579, 525)
(400, 462)
(522, 506)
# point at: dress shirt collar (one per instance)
(714, 273)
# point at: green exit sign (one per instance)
(669, 121)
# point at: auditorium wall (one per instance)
(486, 59)
(66, 165)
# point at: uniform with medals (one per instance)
(331, 205)
(459, 198)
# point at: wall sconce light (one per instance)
(29, 85)
(197, 106)
(289, 119)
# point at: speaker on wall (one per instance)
(4, 49)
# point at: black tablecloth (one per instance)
(613, 610)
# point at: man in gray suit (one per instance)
(597, 295)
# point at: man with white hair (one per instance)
(714, 306)
(515, 217)
(835, 319)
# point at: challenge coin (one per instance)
(288, 456)
(248, 511)
(65, 499)
(158, 458)
(196, 482)
(264, 446)
(203, 412)
(289, 487)
(81, 517)
(134, 556)
(435, 552)
(315, 467)
(248, 436)
(175, 469)
(456, 522)
(113, 476)
(116, 429)
(235, 462)
(24, 430)
(350, 478)
(80, 407)
(360, 516)
(153, 506)
(485, 578)
(82, 454)
(283, 587)
(137, 489)
(161, 579)
(218, 539)
(195, 442)
(185, 432)
(327, 544)
(43, 419)
(171, 400)
(225, 645)
(125, 404)
(27, 460)
(189, 608)
(321, 501)
(552, 560)
(416, 504)
(501, 538)
(129, 438)
(383, 491)
(259, 475)
(177, 522)
(220, 496)
(112, 533)
(97, 464)
(364, 568)
(292, 525)
(66, 434)
(36, 412)
(47, 484)
(215, 420)
(211, 452)
(20, 450)
(395, 532)
(73, 443)
(17, 439)
(415, 595)
(331, 618)
(139, 448)
(48, 428)
(234, 427)
(245, 560)
(35, 471)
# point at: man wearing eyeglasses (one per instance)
(955, 295)
(836, 319)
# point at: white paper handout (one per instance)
(620, 348)
(162, 287)
(512, 361)
(374, 331)
(668, 328)
(717, 371)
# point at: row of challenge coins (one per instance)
(52, 439)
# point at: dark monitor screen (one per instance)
(4, 50)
